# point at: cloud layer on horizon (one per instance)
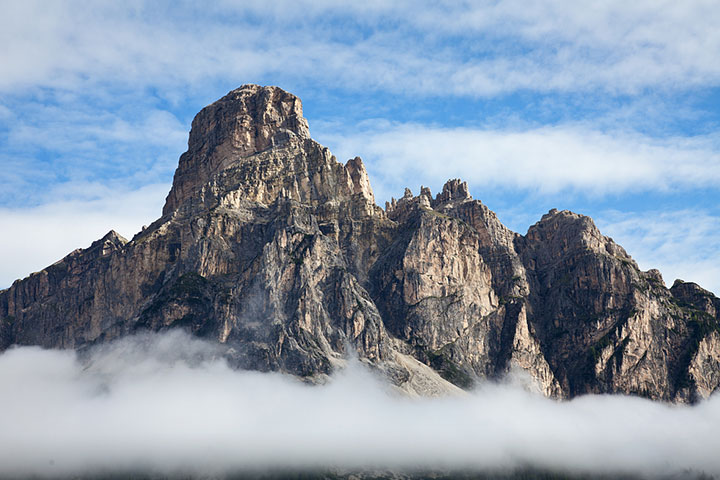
(168, 403)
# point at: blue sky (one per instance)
(610, 109)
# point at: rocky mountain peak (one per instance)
(360, 179)
(690, 293)
(111, 240)
(271, 247)
(246, 121)
(453, 190)
(565, 229)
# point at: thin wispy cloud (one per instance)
(71, 143)
(427, 48)
(544, 160)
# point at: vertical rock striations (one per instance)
(271, 247)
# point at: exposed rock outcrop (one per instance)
(274, 249)
(245, 122)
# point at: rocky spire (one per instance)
(454, 189)
(246, 121)
(359, 178)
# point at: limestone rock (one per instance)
(275, 250)
(244, 122)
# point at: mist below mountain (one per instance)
(168, 404)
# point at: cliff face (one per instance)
(271, 247)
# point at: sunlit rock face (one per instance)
(270, 246)
(247, 121)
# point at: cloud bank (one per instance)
(544, 160)
(462, 48)
(168, 403)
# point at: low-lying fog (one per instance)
(168, 403)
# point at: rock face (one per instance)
(272, 248)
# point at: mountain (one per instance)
(271, 247)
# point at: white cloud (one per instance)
(36, 237)
(168, 404)
(71, 127)
(453, 48)
(544, 160)
(5, 113)
(68, 141)
(681, 244)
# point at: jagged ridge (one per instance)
(271, 247)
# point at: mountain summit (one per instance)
(271, 247)
(245, 122)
